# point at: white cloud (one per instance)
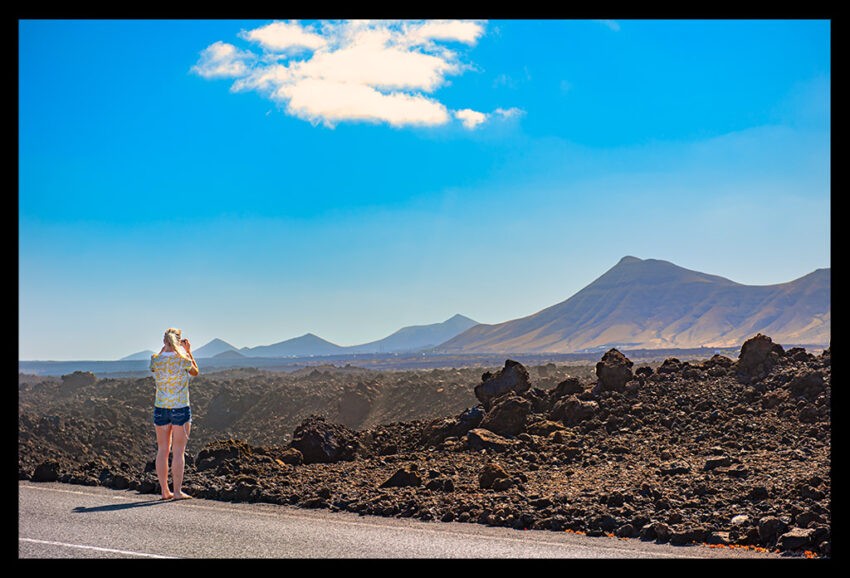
(464, 31)
(380, 66)
(511, 82)
(222, 60)
(284, 36)
(610, 24)
(470, 118)
(330, 102)
(512, 112)
(504, 80)
(361, 70)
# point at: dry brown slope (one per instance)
(655, 304)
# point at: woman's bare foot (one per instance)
(168, 496)
(182, 496)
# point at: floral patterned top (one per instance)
(171, 373)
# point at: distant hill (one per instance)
(212, 349)
(416, 337)
(229, 354)
(307, 344)
(146, 355)
(406, 339)
(655, 304)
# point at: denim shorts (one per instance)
(172, 415)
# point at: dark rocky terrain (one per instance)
(728, 452)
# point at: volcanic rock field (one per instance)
(719, 451)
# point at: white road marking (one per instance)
(28, 487)
(97, 548)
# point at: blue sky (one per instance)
(258, 180)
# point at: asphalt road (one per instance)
(68, 521)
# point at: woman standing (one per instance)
(172, 415)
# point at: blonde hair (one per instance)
(172, 337)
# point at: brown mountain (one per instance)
(649, 303)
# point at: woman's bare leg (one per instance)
(163, 448)
(180, 435)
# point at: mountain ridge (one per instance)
(307, 344)
(405, 340)
(213, 348)
(636, 304)
(144, 354)
(651, 303)
(416, 337)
